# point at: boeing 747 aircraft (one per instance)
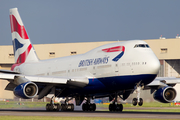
(110, 70)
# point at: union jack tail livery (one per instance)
(23, 49)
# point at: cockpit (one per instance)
(141, 46)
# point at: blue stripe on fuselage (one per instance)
(102, 86)
(117, 82)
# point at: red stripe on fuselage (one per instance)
(16, 27)
(114, 49)
(22, 57)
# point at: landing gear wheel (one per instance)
(119, 107)
(63, 107)
(57, 107)
(140, 102)
(89, 107)
(115, 107)
(51, 107)
(112, 107)
(134, 101)
(47, 107)
(85, 107)
(92, 107)
(67, 107)
(70, 107)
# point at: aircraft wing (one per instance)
(19, 78)
(163, 81)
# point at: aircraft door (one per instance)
(69, 70)
(116, 68)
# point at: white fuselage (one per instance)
(135, 61)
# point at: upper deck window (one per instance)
(141, 46)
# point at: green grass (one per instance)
(68, 118)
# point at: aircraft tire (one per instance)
(134, 101)
(70, 107)
(112, 107)
(92, 107)
(47, 107)
(51, 107)
(119, 107)
(63, 107)
(140, 102)
(85, 107)
(58, 107)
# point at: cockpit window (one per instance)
(141, 46)
(147, 45)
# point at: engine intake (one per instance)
(26, 90)
(165, 95)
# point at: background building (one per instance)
(167, 51)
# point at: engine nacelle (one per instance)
(165, 95)
(26, 90)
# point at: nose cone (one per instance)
(154, 65)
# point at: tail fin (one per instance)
(23, 49)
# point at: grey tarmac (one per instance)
(79, 113)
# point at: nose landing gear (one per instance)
(135, 101)
(138, 100)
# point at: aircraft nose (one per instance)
(154, 66)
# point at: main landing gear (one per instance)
(52, 106)
(114, 106)
(56, 107)
(87, 106)
(67, 107)
(138, 100)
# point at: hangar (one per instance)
(165, 49)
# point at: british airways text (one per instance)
(95, 61)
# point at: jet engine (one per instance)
(26, 90)
(165, 94)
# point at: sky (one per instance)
(71, 21)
